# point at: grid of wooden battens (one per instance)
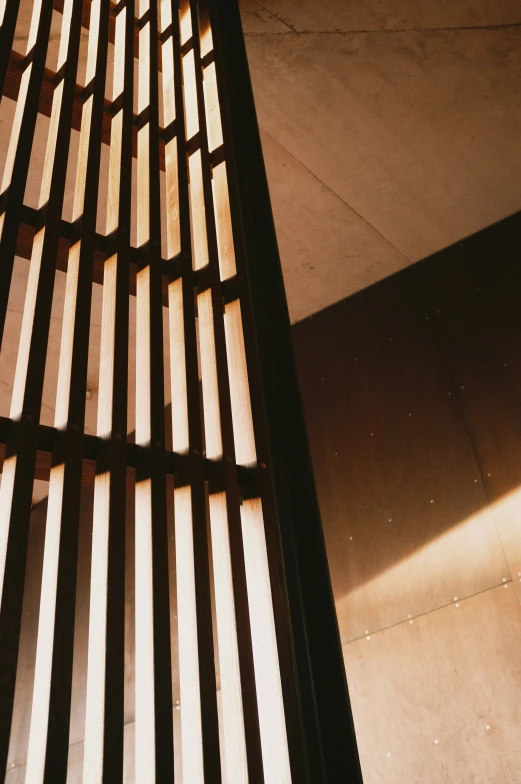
(216, 468)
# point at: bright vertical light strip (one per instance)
(145, 714)
(223, 222)
(180, 433)
(213, 111)
(206, 38)
(143, 401)
(43, 665)
(212, 416)
(15, 130)
(145, 759)
(191, 726)
(197, 211)
(173, 228)
(22, 97)
(95, 700)
(239, 388)
(185, 20)
(232, 708)
(190, 95)
(275, 755)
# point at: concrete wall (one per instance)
(412, 391)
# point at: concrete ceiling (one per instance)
(391, 129)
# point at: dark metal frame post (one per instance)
(326, 717)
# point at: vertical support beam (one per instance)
(326, 716)
(104, 729)
(154, 715)
(199, 722)
(8, 16)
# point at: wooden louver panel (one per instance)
(139, 222)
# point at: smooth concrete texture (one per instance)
(407, 113)
(411, 395)
(438, 701)
(307, 16)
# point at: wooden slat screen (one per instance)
(154, 99)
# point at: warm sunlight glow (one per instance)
(459, 558)
(274, 744)
(145, 714)
(233, 722)
(191, 729)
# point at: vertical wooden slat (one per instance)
(239, 386)
(209, 377)
(154, 720)
(199, 723)
(18, 470)
(198, 213)
(103, 756)
(185, 15)
(229, 667)
(217, 401)
(8, 16)
(190, 92)
(223, 221)
(18, 156)
(48, 745)
(267, 672)
(191, 686)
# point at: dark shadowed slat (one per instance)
(9, 12)
(48, 745)
(154, 720)
(227, 512)
(103, 757)
(176, 464)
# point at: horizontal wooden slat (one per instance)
(202, 279)
(177, 465)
